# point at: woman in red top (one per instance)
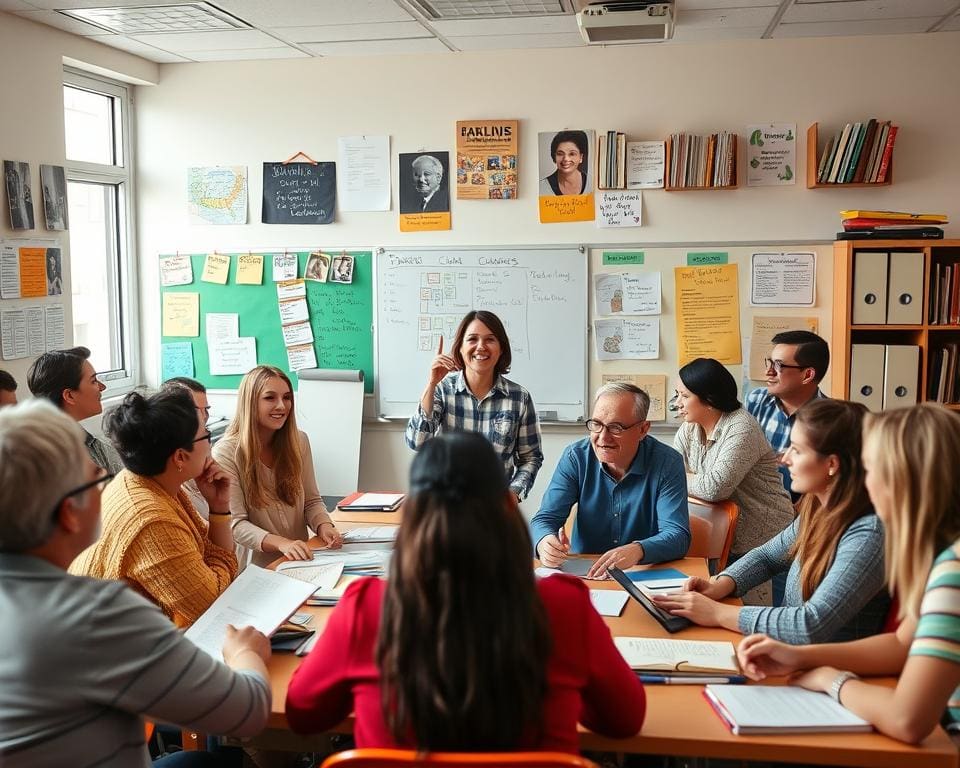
(463, 649)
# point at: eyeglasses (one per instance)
(779, 365)
(616, 428)
(103, 477)
(203, 437)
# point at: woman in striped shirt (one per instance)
(911, 456)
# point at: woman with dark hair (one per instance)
(569, 150)
(468, 391)
(832, 554)
(153, 538)
(728, 457)
(462, 648)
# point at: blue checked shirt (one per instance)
(505, 416)
(774, 421)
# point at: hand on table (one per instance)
(330, 536)
(761, 657)
(296, 550)
(621, 557)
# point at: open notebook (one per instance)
(696, 657)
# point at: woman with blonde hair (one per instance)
(274, 496)
(911, 456)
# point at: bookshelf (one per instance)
(813, 164)
(734, 148)
(928, 336)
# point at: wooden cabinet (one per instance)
(876, 281)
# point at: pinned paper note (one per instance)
(291, 289)
(181, 314)
(9, 270)
(53, 326)
(619, 209)
(783, 279)
(629, 293)
(628, 339)
(655, 385)
(216, 269)
(33, 272)
(297, 334)
(176, 270)
(708, 313)
(232, 356)
(222, 325)
(13, 334)
(299, 358)
(284, 267)
(35, 331)
(176, 359)
(250, 269)
(293, 311)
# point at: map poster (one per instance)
(487, 159)
(217, 194)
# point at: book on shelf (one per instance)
(856, 136)
(860, 166)
(769, 709)
(701, 162)
(838, 155)
(824, 158)
(611, 160)
(863, 222)
(678, 657)
(855, 154)
(923, 218)
(371, 502)
(887, 154)
(882, 132)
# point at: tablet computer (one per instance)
(668, 621)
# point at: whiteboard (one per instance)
(540, 294)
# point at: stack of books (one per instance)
(612, 160)
(702, 161)
(944, 294)
(696, 662)
(891, 225)
(944, 385)
(860, 153)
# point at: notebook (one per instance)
(762, 709)
(678, 656)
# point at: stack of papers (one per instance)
(332, 596)
(371, 502)
(372, 534)
(322, 575)
(363, 563)
(780, 709)
(678, 657)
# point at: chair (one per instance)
(712, 525)
(404, 758)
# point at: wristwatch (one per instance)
(838, 682)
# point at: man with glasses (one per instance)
(794, 371)
(631, 491)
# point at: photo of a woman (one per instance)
(569, 153)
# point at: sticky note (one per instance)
(216, 268)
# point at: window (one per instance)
(100, 199)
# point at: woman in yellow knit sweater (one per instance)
(153, 537)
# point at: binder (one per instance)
(869, 288)
(866, 375)
(905, 288)
(900, 375)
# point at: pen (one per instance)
(667, 680)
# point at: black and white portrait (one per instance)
(53, 181)
(342, 269)
(318, 265)
(16, 176)
(424, 185)
(54, 272)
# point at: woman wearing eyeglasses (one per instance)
(153, 538)
(274, 495)
(728, 457)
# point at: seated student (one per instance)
(911, 457)
(8, 389)
(199, 394)
(631, 491)
(274, 495)
(462, 648)
(85, 660)
(467, 390)
(67, 379)
(728, 457)
(833, 553)
(153, 538)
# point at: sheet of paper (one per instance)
(627, 338)
(645, 161)
(321, 575)
(619, 208)
(761, 338)
(284, 267)
(257, 598)
(232, 356)
(363, 173)
(655, 385)
(783, 279)
(297, 334)
(53, 326)
(771, 154)
(9, 270)
(176, 359)
(181, 314)
(176, 270)
(13, 334)
(293, 311)
(371, 533)
(222, 325)
(707, 301)
(33, 272)
(574, 566)
(300, 358)
(36, 333)
(291, 289)
(608, 602)
(250, 269)
(661, 586)
(627, 293)
(216, 268)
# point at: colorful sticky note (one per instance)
(181, 314)
(622, 257)
(216, 268)
(176, 359)
(706, 258)
(250, 269)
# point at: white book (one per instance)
(748, 709)
(667, 655)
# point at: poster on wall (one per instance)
(16, 179)
(53, 182)
(299, 193)
(424, 191)
(771, 154)
(487, 159)
(566, 176)
(217, 194)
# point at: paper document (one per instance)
(332, 596)
(321, 575)
(780, 709)
(232, 356)
(385, 501)
(258, 598)
(678, 655)
(371, 534)
(627, 339)
(365, 562)
(176, 270)
(364, 165)
(181, 314)
(284, 267)
(608, 602)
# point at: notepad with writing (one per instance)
(678, 656)
(761, 709)
(371, 502)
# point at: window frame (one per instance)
(123, 278)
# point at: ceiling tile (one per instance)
(378, 47)
(726, 18)
(517, 42)
(682, 6)
(685, 34)
(16, 5)
(67, 24)
(513, 26)
(209, 41)
(863, 10)
(339, 32)
(248, 55)
(52, 5)
(149, 52)
(311, 13)
(850, 28)
(953, 25)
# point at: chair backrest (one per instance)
(712, 525)
(404, 758)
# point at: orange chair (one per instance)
(404, 758)
(712, 525)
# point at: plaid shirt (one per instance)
(505, 416)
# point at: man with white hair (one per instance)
(427, 192)
(85, 660)
(630, 491)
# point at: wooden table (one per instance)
(679, 721)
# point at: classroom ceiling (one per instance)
(166, 31)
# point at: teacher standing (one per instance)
(467, 391)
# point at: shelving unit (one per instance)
(813, 164)
(925, 335)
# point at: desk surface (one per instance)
(672, 711)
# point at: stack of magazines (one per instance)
(891, 225)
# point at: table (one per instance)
(679, 721)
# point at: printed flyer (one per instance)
(771, 154)
(487, 159)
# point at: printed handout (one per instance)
(645, 161)
(53, 326)
(627, 339)
(9, 270)
(293, 311)
(707, 301)
(297, 334)
(783, 279)
(232, 356)
(364, 163)
(222, 325)
(627, 293)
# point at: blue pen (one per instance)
(693, 680)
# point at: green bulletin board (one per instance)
(341, 315)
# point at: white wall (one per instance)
(248, 112)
